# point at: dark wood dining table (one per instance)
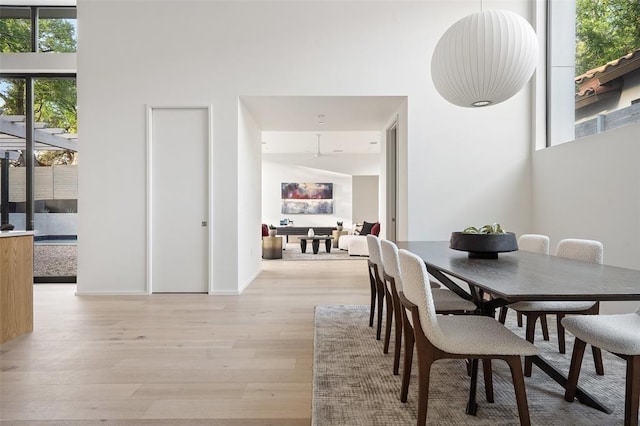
(525, 276)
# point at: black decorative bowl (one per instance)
(483, 246)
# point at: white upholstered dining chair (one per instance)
(446, 301)
(534, 243)
(456, 336)
(376, 268)
(618, 334)
(576, 249)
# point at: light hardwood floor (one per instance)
(180, 359)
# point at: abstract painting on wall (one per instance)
(307, 198)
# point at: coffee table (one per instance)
(315, 243)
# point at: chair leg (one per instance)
(488, 379)
(515, 364)
(632, 391)
(545, 327)
(597, 360)
(409, 340)
(574, 370)
(424, 371)
(503, 314)
(387, 330)
(519, 319)
(380, 292)
(561, 340)
(398, 341)
(373, 299)
(531, 328)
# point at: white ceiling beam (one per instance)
(17, 130)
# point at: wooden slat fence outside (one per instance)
(51, 183)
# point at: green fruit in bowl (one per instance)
(486, 229)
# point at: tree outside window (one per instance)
(605, 31)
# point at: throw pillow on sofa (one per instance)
(376, 229)
(366, 228)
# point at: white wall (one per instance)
(463, 167)
(347, 164)
(466, 166)
(249, 200)
(274, 173)
(590, 188)
(366, 190)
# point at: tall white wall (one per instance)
(465, 166)
(249, 198)
(275, 173)
(590, 188)
(462, 166)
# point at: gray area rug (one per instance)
(293, 252)
(353, 383)
(55, 260)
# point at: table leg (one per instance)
(449, 283)
(581, 394)
(316, 246)
(303, 245)
(327, 244)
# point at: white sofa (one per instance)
(355, 244)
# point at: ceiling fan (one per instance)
(318, 153)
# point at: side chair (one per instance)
(456, 336)
(618, 334)
(577, 249)
(446, 302)
(376, 270)
(534, 243)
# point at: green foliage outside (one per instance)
(55, 35)
(605, 31)
(54, 99)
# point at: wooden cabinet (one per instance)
(16, 284)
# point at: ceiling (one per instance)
(330, 143)
(347, 124)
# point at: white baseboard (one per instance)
(111, 293)
(249, 281)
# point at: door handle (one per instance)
(204, 223)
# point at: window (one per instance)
(12, 180)
(15, 29)
(38, 142)
(594, 73)
(57, 29)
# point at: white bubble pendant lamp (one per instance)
(484, 58)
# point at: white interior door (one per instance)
(179, 200)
